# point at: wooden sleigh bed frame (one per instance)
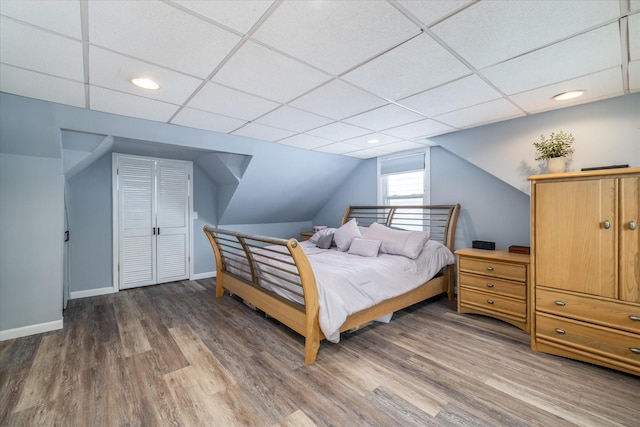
(246, 263)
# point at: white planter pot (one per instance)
(557, 164)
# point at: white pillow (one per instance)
(318, 234)
(345, 234)
(364, 247)
(398, 242)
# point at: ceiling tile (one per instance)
(585, 54)
(113, 71)
(488, 112)
(419, 64)
(26, 47)
(367, 153)
(452, 96)
(604, 84)
(60, 16)
(304, 141)
(338, 131)
(335, 35)
(261, 71)
(338, 148)
(238, 15)
(159, 33)
(293, 119)
(208, 121)
(634, 76)
(229, 102)
(489, 32)
(430, 12)
(386, 117)
(41, 86)
(634, 36)
(266, 133)
(338, 100)
(362, 140)
(110, 101)
(419, 129)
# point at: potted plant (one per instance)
(555, 149)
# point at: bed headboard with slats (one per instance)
(439, 220)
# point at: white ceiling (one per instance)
(321, 75)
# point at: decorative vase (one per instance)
(557, 164)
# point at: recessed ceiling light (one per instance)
(568, 95)
(145, 83)
(372, 141)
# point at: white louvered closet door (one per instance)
(172, 220)
(153, 220)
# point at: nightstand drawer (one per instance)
(588, 340)
(616, 314)
(494, 285)
(503, 270)
(491, 303)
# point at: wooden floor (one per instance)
(172, 354)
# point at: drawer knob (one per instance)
(489, 301)
(560, 303)
(632, 225)
(635, 350)
(634, 317)
(561, 331)
(490, 285)
(489, 268)
(606, 224)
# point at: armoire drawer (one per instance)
(509, 271)
(615, 314)
(588, 340)
(494, 285)
(492, 303)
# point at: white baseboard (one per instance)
(206, 275)
(24, 331)
(91, 292)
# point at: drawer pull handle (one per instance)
(635, 350)
(560, 303)
(490, 285)
(634, 317)
(489, 301)
(561, 331)
(489, 268)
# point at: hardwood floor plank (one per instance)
(173, 354)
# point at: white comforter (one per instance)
(350, 283)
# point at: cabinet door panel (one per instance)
(629, 239)
(574, 249)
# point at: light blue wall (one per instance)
(31, 242)
(490, 208)
(204, 196)
(90, 226)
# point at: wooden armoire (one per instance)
(585, 266)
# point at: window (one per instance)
(403, 179)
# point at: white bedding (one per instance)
(349, 283)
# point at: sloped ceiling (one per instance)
(321, 75)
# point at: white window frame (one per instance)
(426, 197)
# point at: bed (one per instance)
(306, 285)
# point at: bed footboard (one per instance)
(272, 274)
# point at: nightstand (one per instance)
(306, 235)
(494, 283)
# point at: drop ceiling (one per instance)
(321, 75)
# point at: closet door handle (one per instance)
(606, 224)
(632, 225)
(158, 231)
(154, 231)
